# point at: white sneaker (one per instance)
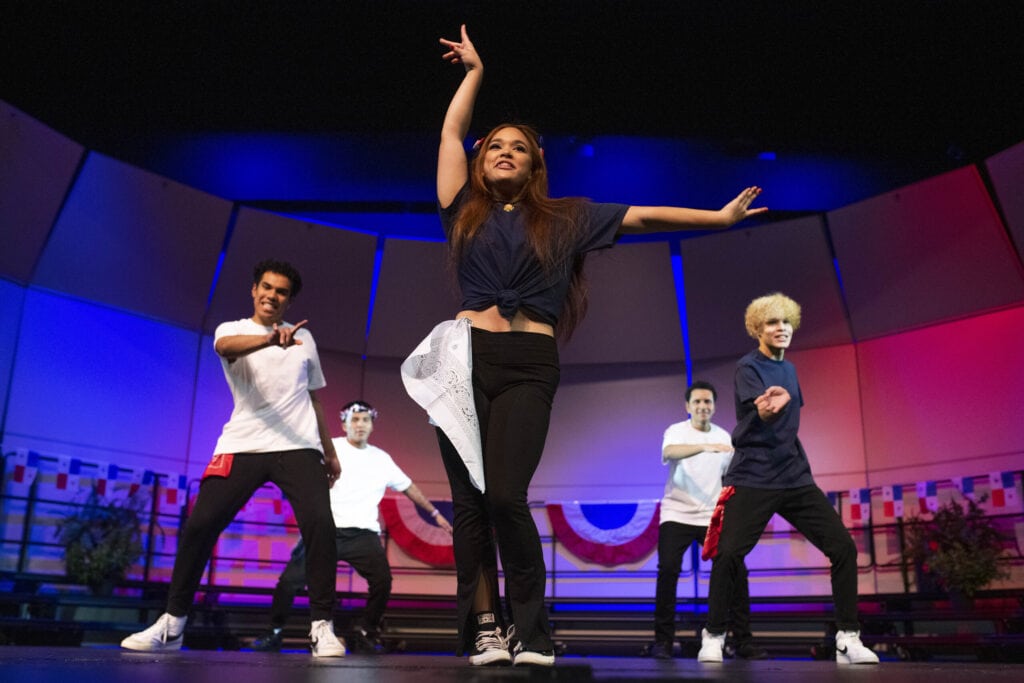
(710, 647)
(322, 640)
(849, 649)
(158, 636)
(490, 648)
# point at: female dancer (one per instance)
(518, 254)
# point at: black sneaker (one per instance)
(521, 657)
(751, 651)
(511, 640)
(661, 650)
(490, 649)
(365, 642)
(268, 642)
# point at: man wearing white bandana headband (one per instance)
(367, 472)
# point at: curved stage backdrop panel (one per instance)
(116, 276)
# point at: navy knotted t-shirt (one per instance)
(499, 268)
(768, 455)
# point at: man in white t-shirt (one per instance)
(276, 433)
(368, 472)
(698, 453)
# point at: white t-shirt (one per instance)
(365, 474)
(270, 388)
(693, 483)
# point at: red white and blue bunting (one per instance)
(623, 544)
(418, 538)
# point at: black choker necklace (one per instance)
(507, 206)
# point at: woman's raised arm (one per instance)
(451, 156)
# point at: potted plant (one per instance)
(101, 540)
(959, 547)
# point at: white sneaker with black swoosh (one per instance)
(158, 637)
(849, 649)
(323, 642)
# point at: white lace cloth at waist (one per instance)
(438, 375)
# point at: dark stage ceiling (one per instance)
(922, 85)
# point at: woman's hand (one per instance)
(462, 52)
(451, 155)
(644, 219)
(739, 208)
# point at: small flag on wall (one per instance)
(833, 500)
(176, 487)
(135, 482)
(892, 501)
(965, 485)
(26, 466)
(139, 479)
(106, 476)
(68, 473)
(927, 496)
(1002, 489)
(860, 505)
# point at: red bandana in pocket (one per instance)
(715, 528)
(220, 465)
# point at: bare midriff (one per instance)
(490, 319)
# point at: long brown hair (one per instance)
(552, 224)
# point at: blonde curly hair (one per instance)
(768, 307)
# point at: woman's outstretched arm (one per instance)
(451, 156)
(640, 219)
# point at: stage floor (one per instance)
(111, 665)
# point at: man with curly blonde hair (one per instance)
(770, 474)
(764, 308)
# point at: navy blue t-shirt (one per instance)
(768, 455)
(499, 268)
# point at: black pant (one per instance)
(808, 510)
(673, 540)
(362, 549)
(302, 479)
(515, 375)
